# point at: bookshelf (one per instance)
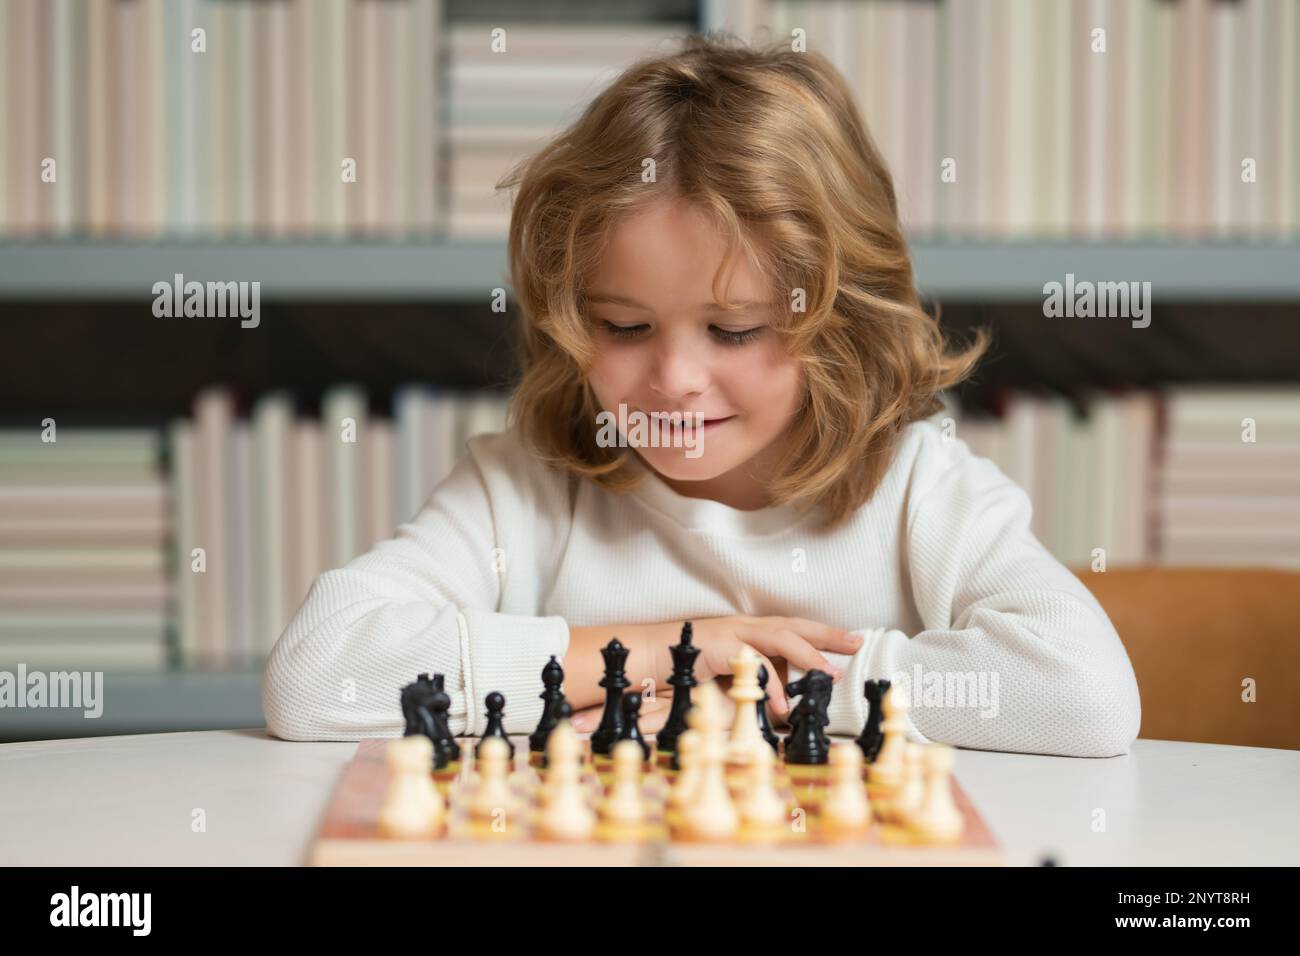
(446, 270)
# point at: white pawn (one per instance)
(908, 798)
(887, 771)
(493, 801)
(710, 814)
(688, 774)
(845, 811)
(413, 807)
(937, 820)
(746, 737)
(624, 805)
(762, 811)
(565, 813)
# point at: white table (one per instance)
(130, 800)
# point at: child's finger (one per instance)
(823, 636)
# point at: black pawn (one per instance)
(552, 697)
(682, 680)
(445, 748)
(764, 726)
(615, 682)
(807, 742)
(632, 713)
(872, 738)
(496, 708)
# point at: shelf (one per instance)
(143, 703)
(444, 270)
(286, 270)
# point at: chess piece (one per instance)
(845, 811)
(493, 802)
(563, 711)
(937, 819)
(871, 738)
(764, 725)
(565, 814)
(908, 798)
(615, 682)
(762, 811)
(807, 743)
(887, 771)
(552, 697)
(710, 815)
(412, 807)
(630, 731)
(746, 738)
(446, 749)
(496, 707)
(682, 680)
(688, 777)
(624, 806)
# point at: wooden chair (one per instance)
(1194, 635)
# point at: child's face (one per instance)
(668, 348)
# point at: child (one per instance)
(716, 242)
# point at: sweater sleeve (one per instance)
(1016, 654)
(423, 601)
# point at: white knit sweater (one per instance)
(999, 646)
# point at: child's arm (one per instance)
(420, 602)
(1016, 654)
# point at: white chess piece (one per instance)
(938, 819)
(710, 814)
(887, 771)
(746, 737)
(493, 800)
(845, 810)
(908, 798)
(688, 774)
(413, 807)
(762, 811)
(624, 806)
(565, 814)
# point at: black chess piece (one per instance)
(552, 697)
(631, 713)
(682, 680)
(765, 726)
(872, 738)
(413, 698)
(818, 685)
(421, 715)
(807, 742)
(445, 748)
(496, 708)
(615, 682)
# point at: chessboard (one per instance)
(349, 834)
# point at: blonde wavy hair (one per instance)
(769, 143)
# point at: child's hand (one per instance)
(795, 640)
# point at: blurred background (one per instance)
(343, 153)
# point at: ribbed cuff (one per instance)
(506, 653)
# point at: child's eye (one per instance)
(728, 337)
(622, 331)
